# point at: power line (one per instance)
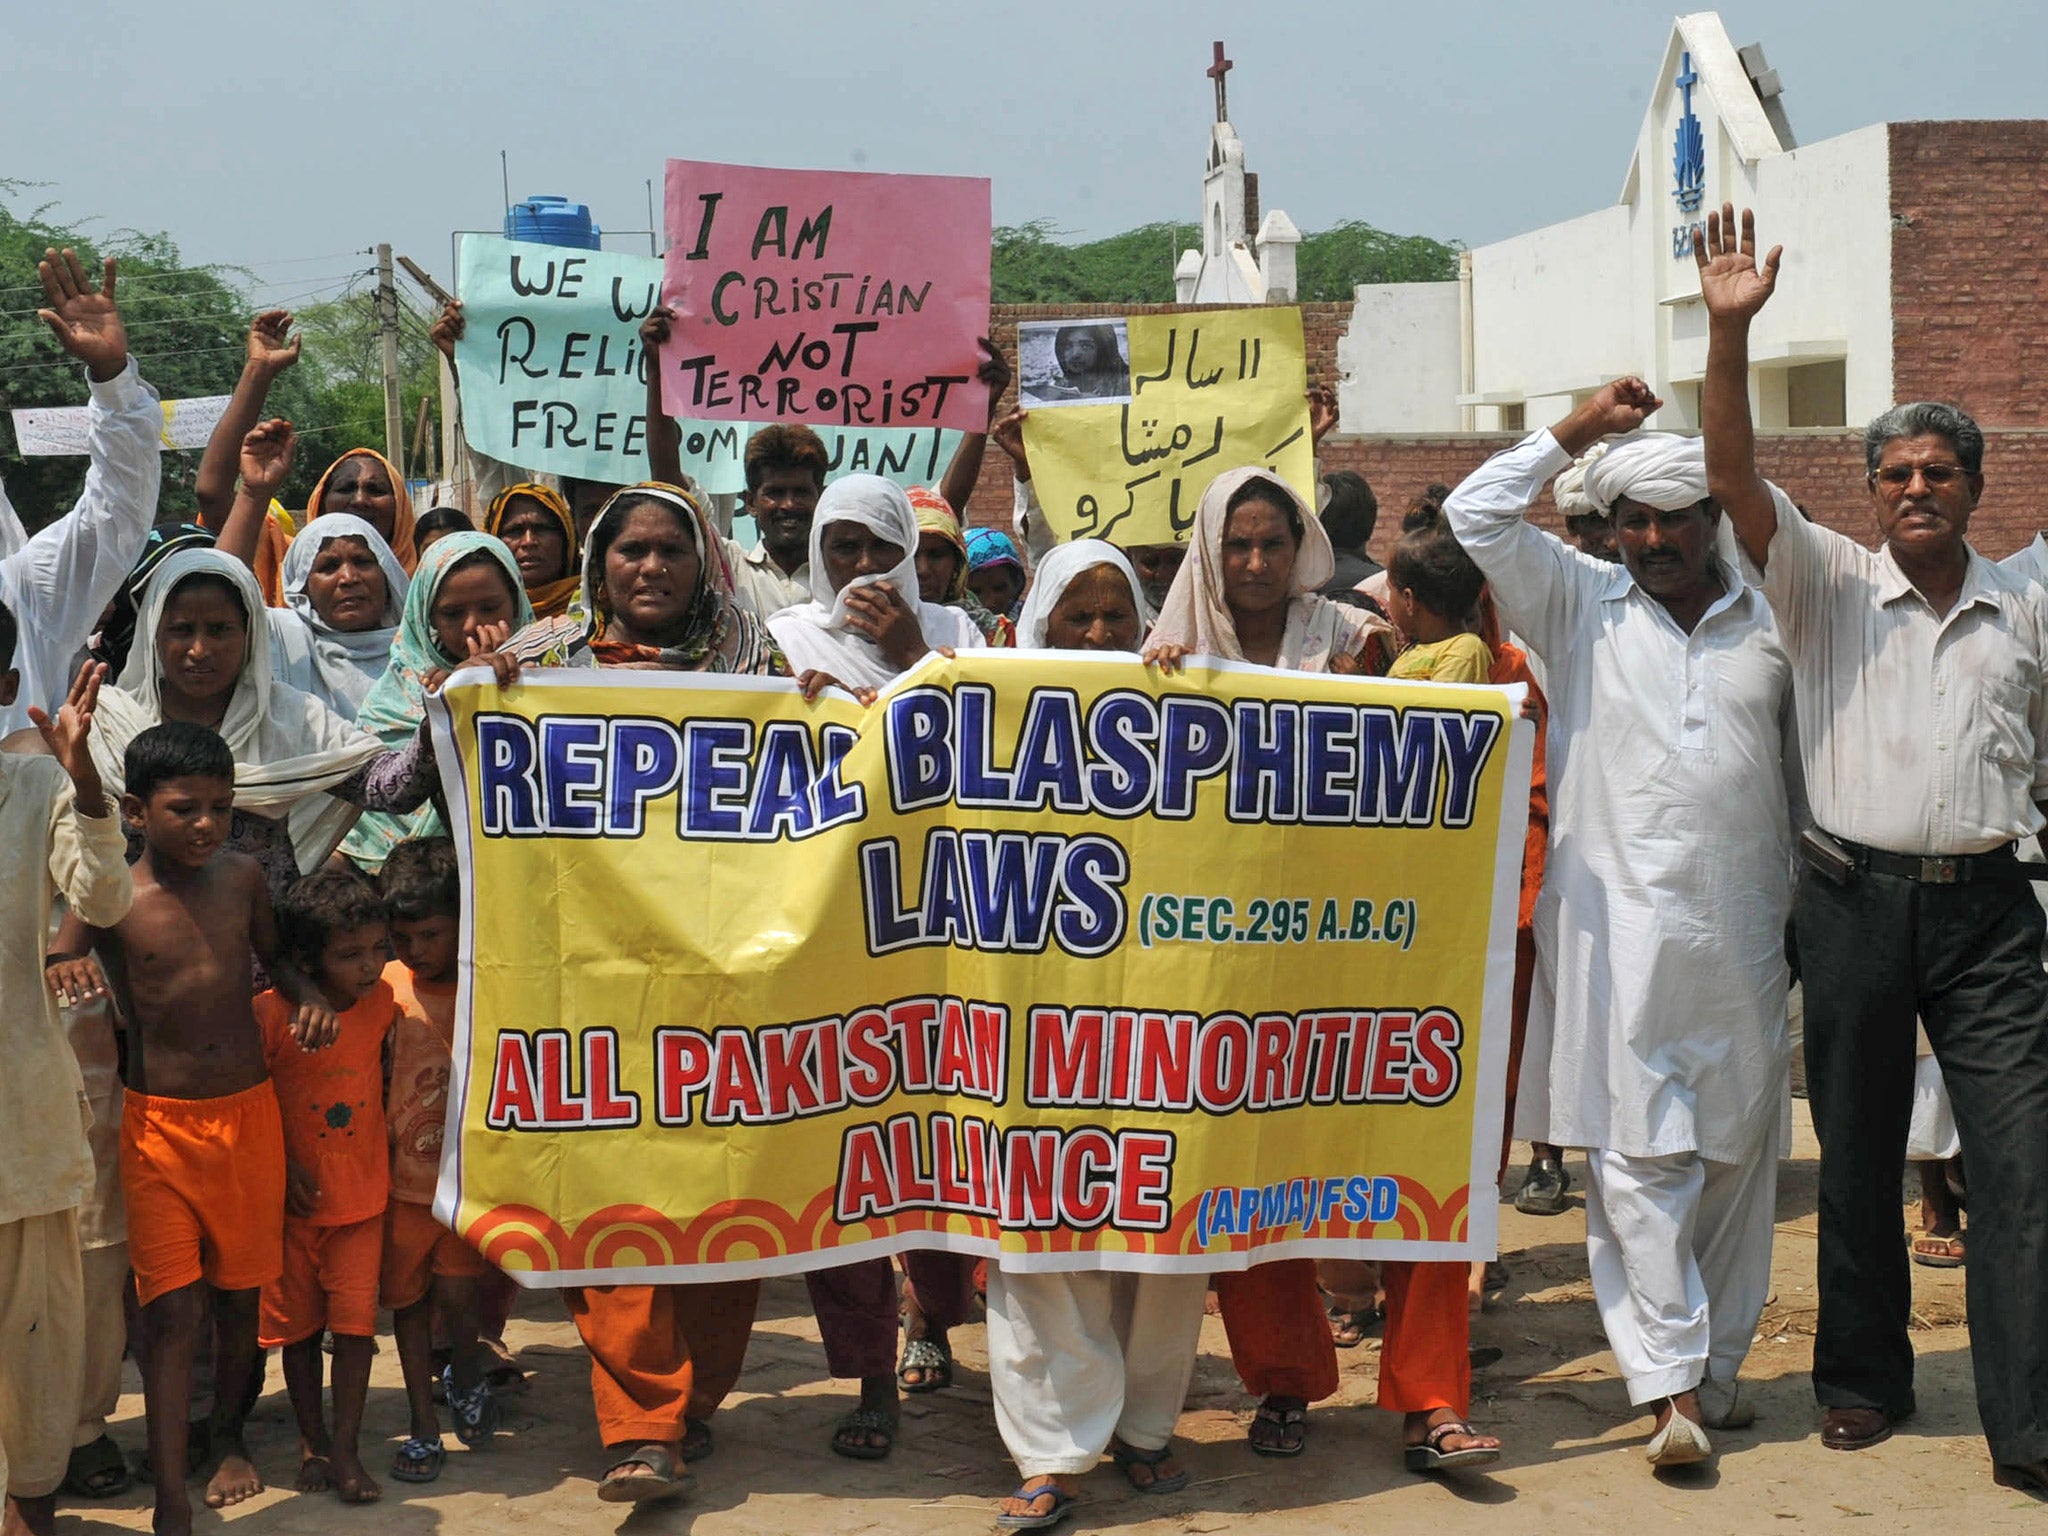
(207, 269)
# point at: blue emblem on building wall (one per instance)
(1689, 150)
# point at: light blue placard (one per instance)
(714, 452)
(550, 361)
(552, 376)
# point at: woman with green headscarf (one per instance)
(465, 583)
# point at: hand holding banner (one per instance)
(834, 298)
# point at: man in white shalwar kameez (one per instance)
(1661, 975)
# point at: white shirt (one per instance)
(759, 584)
(1922, 733)
(1657, 1024)
(2031, 562)
(57, 584)
(46, 847)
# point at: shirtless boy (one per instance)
(202, 1145)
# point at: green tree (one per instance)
(343, 360)
(186, 327)
(1330, 264)
(1031, 265)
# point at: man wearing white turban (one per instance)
(1657, 1037)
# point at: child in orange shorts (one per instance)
(427, 1268)
(338, 1173)
(202, 1151)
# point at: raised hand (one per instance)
(994, 372)
(68, 737)
(1624, 405)
(267, 457)
(1733, 286)
(1007, 433)
(448, 328)
(269, 348)
(85, 320)
(655, 329)
(1322, 412)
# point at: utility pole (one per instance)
(387, 323)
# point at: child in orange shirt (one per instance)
(427, 1268)
(338, 1173)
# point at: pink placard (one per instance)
(837, 298)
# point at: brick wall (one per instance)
(1321, 325)
(1821, 471)
(1970, 267)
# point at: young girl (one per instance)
(337, 1171)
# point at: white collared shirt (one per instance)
(1923, 733)
(2031, 562)
(59, 581)
(759, 584)
(1657, 1023)
(47, 848)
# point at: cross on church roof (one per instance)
(1216, 72)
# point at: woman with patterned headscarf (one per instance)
(534, 522)
(996, 573)
(467, 584)
(942, 566)
(361, 481)
(658, 596)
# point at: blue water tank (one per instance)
(552, 221)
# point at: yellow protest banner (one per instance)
(1210, 390)
(1051, 957)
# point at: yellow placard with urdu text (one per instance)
(1210, 390)
(1048, 956)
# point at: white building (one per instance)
(1238, 263)
(1536, 323)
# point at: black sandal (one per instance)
(697, 1442)
(1430, 1455)
(1129, 1456)
(872, 1421)
(1292, 1424)
(934, 1359)
(664, 1478)
(97, 1470)
(1349, 1329)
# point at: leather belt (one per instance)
(1940, 868)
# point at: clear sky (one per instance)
(286, 136)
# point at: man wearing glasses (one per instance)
(1918, 670)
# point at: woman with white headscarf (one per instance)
(865, 624)
(1087, 597)
(302, 772)
(1247, 592)
(344, 592)
(1092, 1361)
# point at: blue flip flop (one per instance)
(1062, 1506)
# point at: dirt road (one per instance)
(1573, 1463)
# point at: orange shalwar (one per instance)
(660, 1354)
(1511, 665)
(1280, 1338)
